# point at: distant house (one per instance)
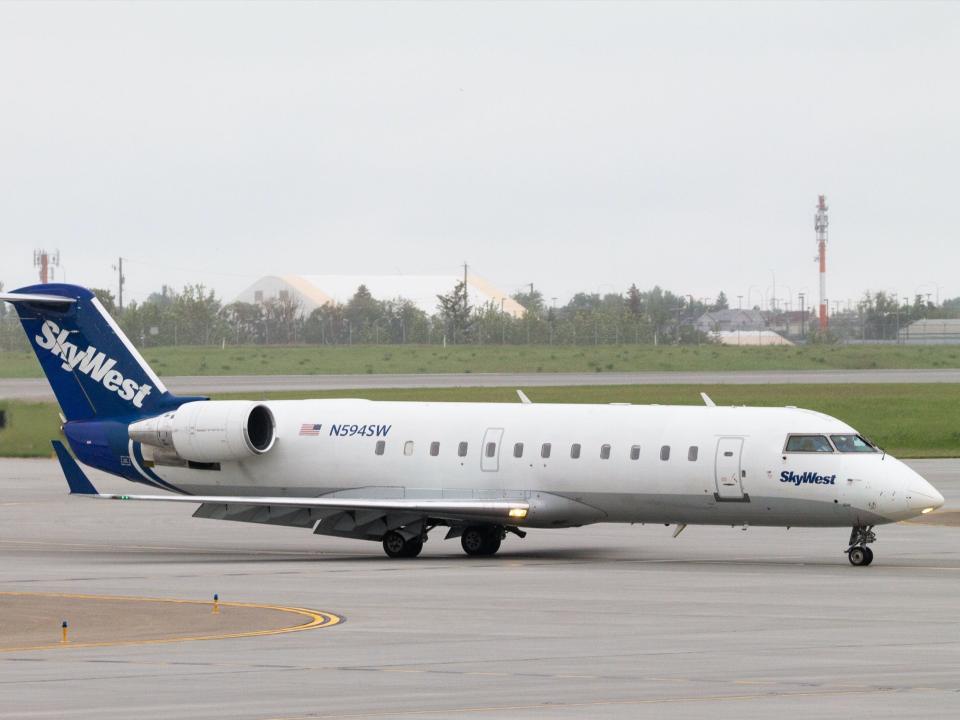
(730, 321)
(793, 322)
(931, 332)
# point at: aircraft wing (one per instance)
(449, 509)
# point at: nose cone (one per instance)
(922, 496)
(906, 494)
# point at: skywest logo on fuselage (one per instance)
(90, 362)
(788, 476)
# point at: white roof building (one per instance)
(314, 291)
(749, 337)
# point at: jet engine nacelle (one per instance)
(209, 431)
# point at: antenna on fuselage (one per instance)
(523, 398)
(707, 401)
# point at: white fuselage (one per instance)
(725, 465)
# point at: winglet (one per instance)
(523, 397)
(79, 483)
(707, 401)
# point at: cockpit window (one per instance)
(808, 444)
(852, 444)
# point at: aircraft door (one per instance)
(728, 469)
(490, 450)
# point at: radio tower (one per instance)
(46, 262)
(820, 223)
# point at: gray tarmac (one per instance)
(600, 622)
(38, 389)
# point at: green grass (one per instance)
(313, 360)
(29, 428)
(910, 421)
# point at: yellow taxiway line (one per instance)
(315, 620)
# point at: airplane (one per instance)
(392, 472)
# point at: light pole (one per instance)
(803, 316)
(553, 318)
(503, 323)
(739, 316)
(896, 301)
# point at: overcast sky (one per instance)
(575, 146)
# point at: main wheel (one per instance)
(859, 555)
(412, 548)
(480, 540)
(394, 544)
(493, 542)
(473, 540)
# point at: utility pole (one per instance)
(803, 317)
(503, 323)
(120, 281)
(740, 318)
(465, 296)
(527, 314)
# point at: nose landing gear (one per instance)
(858, 553)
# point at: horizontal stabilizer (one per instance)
(36, 299)
(78, 481)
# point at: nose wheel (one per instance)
(860, 556)
(858, 553)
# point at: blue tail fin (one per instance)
(93, 368)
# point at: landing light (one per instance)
(926, 510)
(521, 513)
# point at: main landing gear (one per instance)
(482, 539)
(396, 545)
(858, 553)
(477, 540)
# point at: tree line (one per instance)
(196, 316)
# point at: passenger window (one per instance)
(408, 447)
(381, 446)
(808, 444)
(434, 449)
(852, 444)
(604, 452)
(518, 450)
(545, 450)
(575, 451)
(635, 452)
(692, 453)
(665, 452)
(462, 449)
(491, 449)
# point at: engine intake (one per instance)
(209, 431)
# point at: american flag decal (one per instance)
(310, 429)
